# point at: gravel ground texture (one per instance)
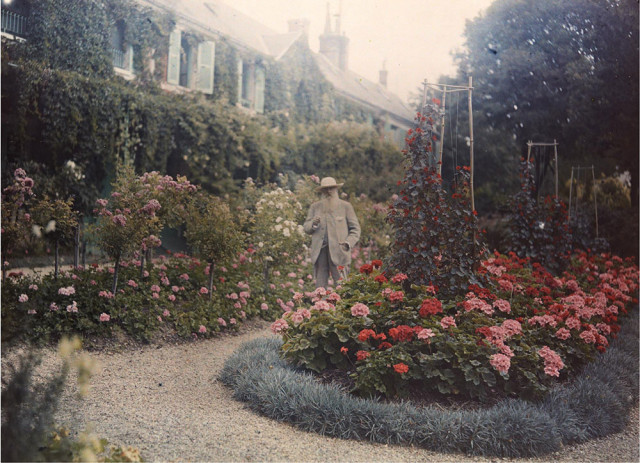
(165, 400)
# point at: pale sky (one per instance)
(415, 37)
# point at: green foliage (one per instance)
(349, 152)
(554, 70)
(63, 36)
(436, 233)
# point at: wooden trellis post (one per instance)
(446, 88)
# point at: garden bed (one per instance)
(594, 404)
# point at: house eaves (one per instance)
(369, 94)
(215, 17)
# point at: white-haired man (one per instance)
(334, 230)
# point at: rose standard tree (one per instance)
(212, 232)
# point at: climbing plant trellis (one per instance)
(446, 89)
(542, 162)
(577, 170)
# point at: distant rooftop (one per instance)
(217, 17)
(363, 90)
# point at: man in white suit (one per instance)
(334, 230)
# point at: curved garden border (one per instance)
(592, 405)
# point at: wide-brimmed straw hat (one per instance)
(329, 182)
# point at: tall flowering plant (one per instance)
(275, 231)
(56, 221)
(539, 229)
(435, 230)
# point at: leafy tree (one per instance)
(553, 69)
(349, 152)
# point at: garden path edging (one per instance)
(595, 404)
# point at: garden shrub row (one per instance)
(592, 405)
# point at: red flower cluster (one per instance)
(430, 306)
(401, 368)
(366, 268)
(404, 333)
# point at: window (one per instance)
(187, 64)
(122, 53)
(190, 66)
(251, 85)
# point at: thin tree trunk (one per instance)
(76, 248)
(265, 275)
(84, 254)
(142, 265)
(114, 287)
(210, 279)
(57, 250)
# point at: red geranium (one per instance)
(401, 368)
(361, 355)
(376, 263)
(366, 268)
(364, 335)
(384, 345)
(430, 306)
(381, 278)
(401, 333)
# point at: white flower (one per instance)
(286, 232)
(51, 226)
(37, 231)
(279, 219)
(278, 227)
(260, 244)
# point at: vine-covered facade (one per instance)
(195, 88)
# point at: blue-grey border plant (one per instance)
(594, 404)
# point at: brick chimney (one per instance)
(334, 44)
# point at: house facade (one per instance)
(215, 50)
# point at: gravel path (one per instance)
(166, 401)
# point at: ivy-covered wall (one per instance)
(61, 102)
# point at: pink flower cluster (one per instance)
(500, 362)
(447, 322)
(106, 294)
(105, 317)
(475, 303)
(68, 291)
(360, 310)
(279, 325)
(552, 361)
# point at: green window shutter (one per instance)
(129, 56)
(173, 67)
(206, 61)
(239, 70)
(260, 78)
